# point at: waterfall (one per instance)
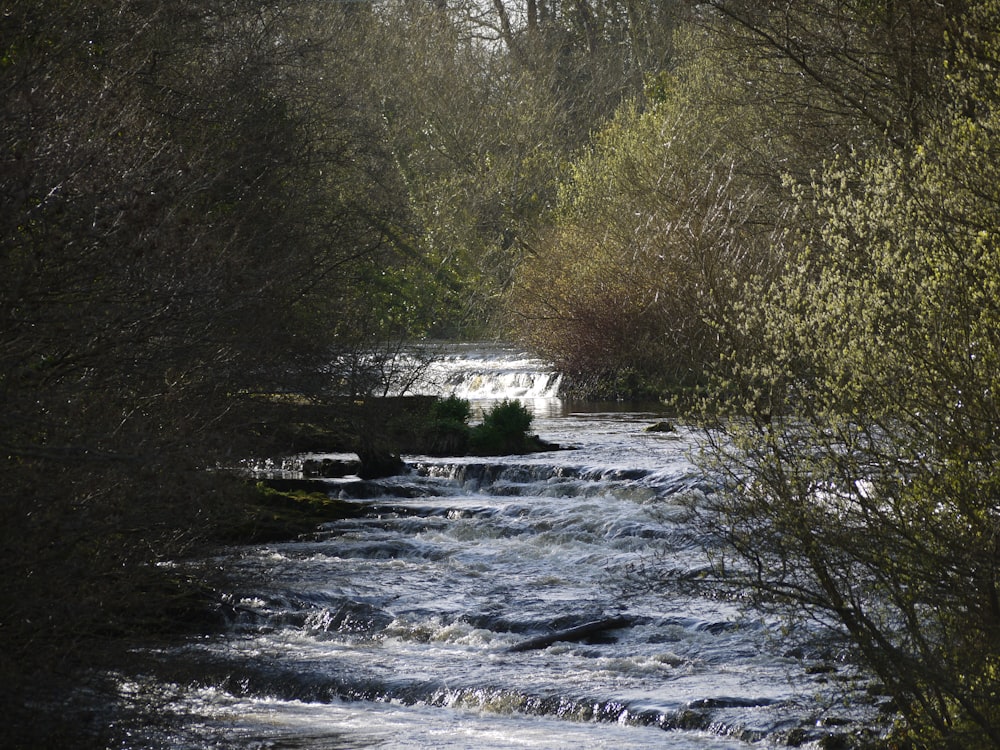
(489, 372)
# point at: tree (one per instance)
(658, 226)
(674, 211)
(181, 229)
(587, 55)
(475, 166)
(842, 72)
(863, 430)
(525, 87)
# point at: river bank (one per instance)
(240, 508)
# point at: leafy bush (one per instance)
(450, 426)
(654, 233)
(504, 429)
(452, 411)
(871, 503)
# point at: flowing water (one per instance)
(400, 629)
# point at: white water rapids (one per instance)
(393, 630)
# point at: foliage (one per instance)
(655, 229)
(452, 410)
(587, 56)
(187, 218)
(679, 199)
(827, 75)
(450, 426)
(475, 165)
(863, 432)
(479, 164)
(504, 429)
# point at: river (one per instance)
(396, 629)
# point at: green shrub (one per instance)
(504, 429)
(452, 410)
(450, 426)
(871, 502)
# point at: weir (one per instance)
(487, 372)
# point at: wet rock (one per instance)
(330, 468)
(578, 633)
(377, 464)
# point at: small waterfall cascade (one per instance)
(483, 372)
(498, 602)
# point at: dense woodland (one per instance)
(788, 213)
